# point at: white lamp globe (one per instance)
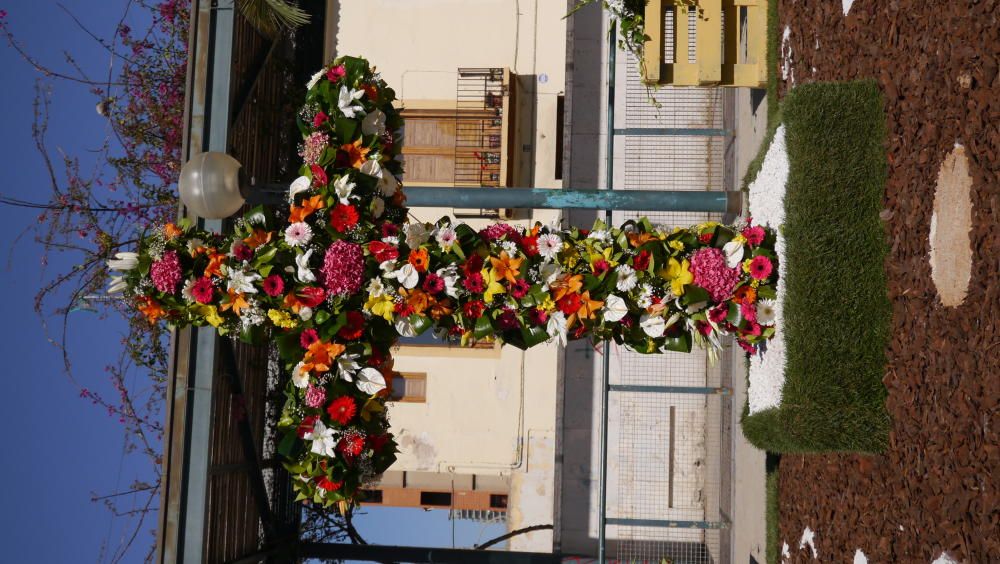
(210, 185)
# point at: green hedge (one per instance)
(836, 311)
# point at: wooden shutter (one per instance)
(429, 146)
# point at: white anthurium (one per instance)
(299, 185)
(615, 309)
(314, 80)
(407, 276)
(695, 307)
(378, 207)
(371, 168)
(556, 327)
(653, 325)
(374, 123)
(118, 285)
(347, 102)
(124, 261)
(450, 277)
(300, 377)
(416, 234)
(343, 187)
(673, 319)
(387, 184)
(346, 367)
(304, 274)
(370, 381)
(324, 439)
(405, 328)
(734, 253)
(242, 282)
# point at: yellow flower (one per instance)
(606, 254)
(548, 304)
(678, 275)
(493, 286)
(739, 238)
(746, 265)
(383, 306)
(211, 315)
(281, 318)
(676, 245)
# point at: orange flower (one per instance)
(152, 310)
(235, 302)
(356, 154)
(419, 260)
(745, 294)
(589, 307)
(640, 239)
(258, 238)
(171, 231)
(439, 308)
(292, 302)
(566, 285)
(416, 299)
(299, 213)
(319, 357)
(215, 261)
(506, 268)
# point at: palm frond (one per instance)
(272, 17)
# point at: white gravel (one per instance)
(847, 5)
(767, 207)
(859, 557)
(808, 539)
(944, 558)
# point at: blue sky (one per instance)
(63, 448)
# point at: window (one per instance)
(409, 387)
(437, 499)
(372, 496)
(498, 501)
(429, 150)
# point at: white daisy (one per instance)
(298, 234)
(766, 311)
(549, 244)
(300, 377)
(627, 278)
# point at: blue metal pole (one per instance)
(606, 364)
(544, 198)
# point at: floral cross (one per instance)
(340, 275)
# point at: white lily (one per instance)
(193, 245)
(374, 123)
(242, 282)
(734, 253)
(450, 277)
(315, 79)
(299, 185)
(324, 439)
(556, 327)
(370, 381)
(346, 102)
(653, 325)
(615, 309)
(117, 285)
(124, 261)
(376, 288)
(304, 273)
(347, 366)
(343, 187)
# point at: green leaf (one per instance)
(287, 444)
(330, 329)
(484, 328)
(345, 129)
(767, 292)
(321, 317)
(722, 236)
(420, 323)
(265, 257)
(265, 270)
(534, 336)
(288, 346)
(694, 294)
(679, 343)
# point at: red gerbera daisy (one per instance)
(273, 285)
(569, 304)
(343, 217)
(342, 409)
(202, 290)
(308, 337)
(354, 328)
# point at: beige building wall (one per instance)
(487, 412)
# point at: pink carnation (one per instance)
(498, 231)
(315, 396)
(166, 272)
(711, 273)
(343, 268)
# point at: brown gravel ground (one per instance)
(934, 489)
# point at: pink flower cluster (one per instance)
(711, 273)
(166, 272)
(343, 268)
(313, 147)
(498, 231)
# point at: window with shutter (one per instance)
(409, 387)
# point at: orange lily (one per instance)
(356, 154)
(640, 239)
(417, 299)
(235, 302)
(292, 302)
(171, 231)
(506, 268)
(259, 237)
(319, 357)
(152, 310)
(588, 309)
(215, 260)
(566, 285)
(440, 308)
(309, 205)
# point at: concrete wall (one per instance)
(487, 411)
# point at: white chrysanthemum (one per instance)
(766, 311)
(305, 313)
(300, 377)
(627, 278)
(549, 245)
(298, 234)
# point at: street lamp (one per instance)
(209, 185)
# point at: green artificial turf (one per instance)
(836, 312)
(773, 106)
